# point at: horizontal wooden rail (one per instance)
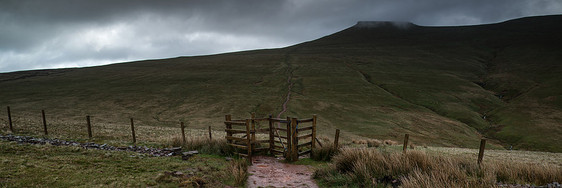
(304, 129)
(276, 151)
(278, 147)
(261, 119)
(235, 138)
(262, 130)
(279, 129)
(276, 120)
(304, 144)
(238, 120)
(234, 131)
(276, 141)
(304, 152)
(234, 123)
(305, 136)
(243, 155)
(261, 141)
(305, 120)
(238, 146)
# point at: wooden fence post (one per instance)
(405, 147)
(336, 139)
(182, 132)
(481, 152)
(89, 127)
(294, 137)
(248, 141)
(288, 152)
(313, 144)
(228, 127)
(210, 134)
(10, 120)
(271, 135)
(44, 122)
(253, 130)
(133, 131)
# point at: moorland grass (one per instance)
(369, 167)
(449, 85)
(25, 165)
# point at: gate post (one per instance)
(249, 141)
(313, 144)
(10, 120)
(294, 137)
(44, 122)
(271, 136)
(288, 151)
(253, 130)
(228, 127)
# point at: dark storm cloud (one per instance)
(62, 33)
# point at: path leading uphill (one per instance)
(288, 95)
(289, 87)
(271, 172)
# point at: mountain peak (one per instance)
(384, 24)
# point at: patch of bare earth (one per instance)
(271, 172)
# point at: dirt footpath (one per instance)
(270, 172)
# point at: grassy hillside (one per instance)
(446, 86)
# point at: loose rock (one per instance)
(90, 145)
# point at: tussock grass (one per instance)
(366, 167)
(239, 170)
(374, 143)
(390, 142)
(324, 153)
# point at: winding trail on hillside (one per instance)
(271, 171)
(289, 87)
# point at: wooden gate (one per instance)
(282, 136)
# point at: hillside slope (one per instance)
(447, 86)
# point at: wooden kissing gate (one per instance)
(282, 139)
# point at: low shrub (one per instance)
(324, 153)
(374, 143)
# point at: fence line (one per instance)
(47, 128)
(287, 145)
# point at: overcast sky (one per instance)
(37, 34)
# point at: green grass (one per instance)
(26, 165)
(434, 82)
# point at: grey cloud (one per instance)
(59, 33)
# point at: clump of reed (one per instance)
(374, 142)
(325, 152)
(238, 168)
(365, 167)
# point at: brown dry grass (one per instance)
(374, 143)
(390, 142)
(366, 167)
(239, 169)
(324, 153)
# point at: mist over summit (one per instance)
(378, 24)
